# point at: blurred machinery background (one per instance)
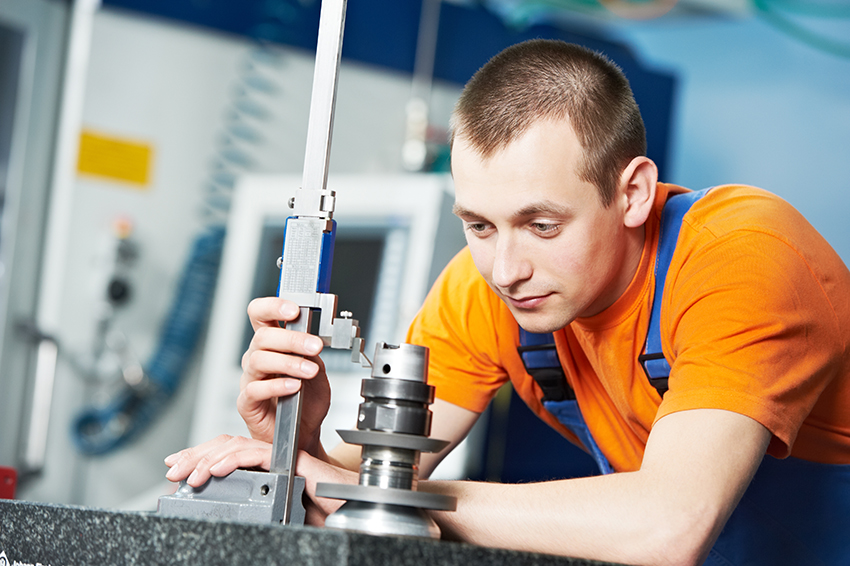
(128, 128)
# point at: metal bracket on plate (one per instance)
(246, 496)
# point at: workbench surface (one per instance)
(55, 535)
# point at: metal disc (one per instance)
(392, 440)
(390, 496)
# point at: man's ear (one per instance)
(637, 185)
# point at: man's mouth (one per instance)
(526, 303)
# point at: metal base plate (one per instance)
(244, 496)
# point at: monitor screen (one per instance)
(362, 252)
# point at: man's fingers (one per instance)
(259, 364)
(189, 459)
(223, 464)
(268, 311)
(258, 392)
(257, 400)
(278, 339)
(257, 388)
(217, 457)
(182, 463)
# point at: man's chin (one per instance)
(537, 323)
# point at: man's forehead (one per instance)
(537, 173)
(479, 206)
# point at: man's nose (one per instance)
(510, 265)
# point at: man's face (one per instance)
(539, 235)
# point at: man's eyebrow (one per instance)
(462, 212)
(543, 207)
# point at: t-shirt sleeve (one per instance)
(459, 324)
(751, 330)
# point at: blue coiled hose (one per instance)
(100, 430)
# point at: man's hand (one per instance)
(317, 471)
(218, 457)
(278, 363)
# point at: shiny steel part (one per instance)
(396, 405)
(393, 427)
(322, 104)
(287, 425)
(386, 496)
(245, 496)
(407, 362)
(383, 519)
(381, 466)
(406, 441)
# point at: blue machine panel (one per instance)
(384, 34)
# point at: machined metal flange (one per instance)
(390, 496)
(392, 440)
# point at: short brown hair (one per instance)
(547, 79)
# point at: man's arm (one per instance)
(696, 467)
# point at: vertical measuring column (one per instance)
(287, 424)
(304, 280)
(322, 103)
(305, 267)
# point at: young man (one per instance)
(562, 215)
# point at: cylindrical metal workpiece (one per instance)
(394, 416)
(396, 399)
(382, 466)
(392, 427)
(404, 361)
(383, 388)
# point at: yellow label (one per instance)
(114, 158)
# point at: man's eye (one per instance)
(476, 227)
(544, 227)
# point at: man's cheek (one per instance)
(483, 262)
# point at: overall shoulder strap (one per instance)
(541, 362)
(654, 364)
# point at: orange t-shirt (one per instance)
(755, 319)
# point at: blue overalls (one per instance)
(794, 513)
